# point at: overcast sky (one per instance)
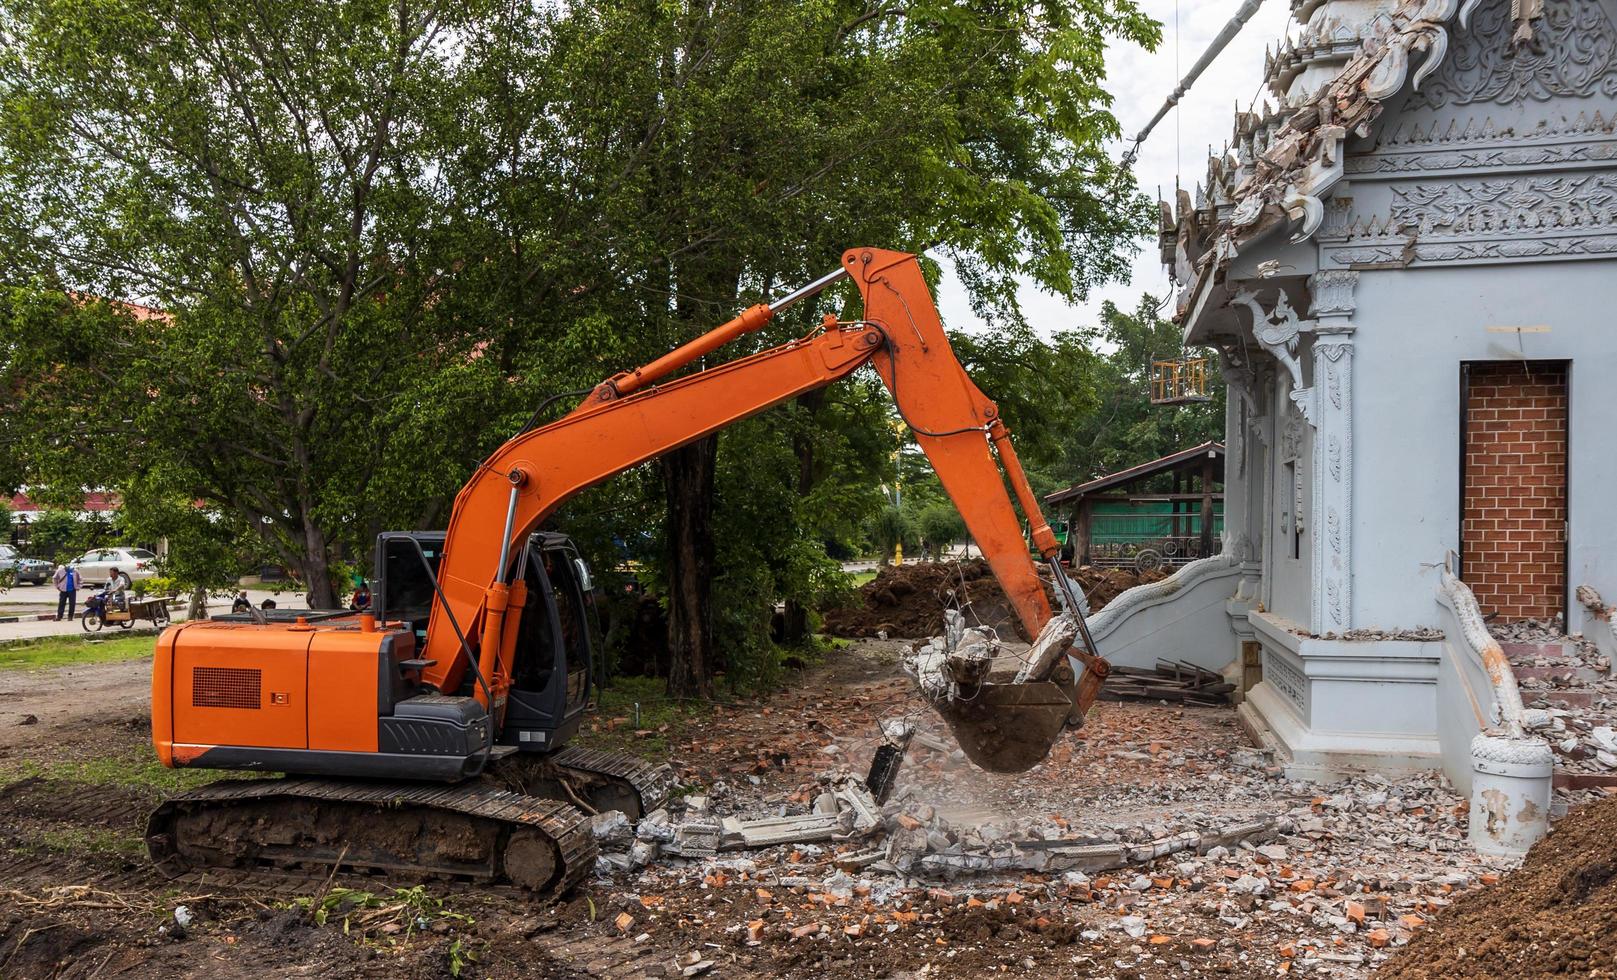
(1140, 81)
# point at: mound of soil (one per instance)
(1556, 916)
(907, 601)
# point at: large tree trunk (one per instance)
(688, 475)
(795, 629)
(316, 567)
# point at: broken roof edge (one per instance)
(1197, 328)
(1304, 160)
(1140, 471)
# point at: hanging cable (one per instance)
(1225, 36)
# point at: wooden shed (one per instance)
(1166, 512)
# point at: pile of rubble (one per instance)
(1151, 843)
(913, 840)
(1332, 876)
(1570, 685)
(908, 601)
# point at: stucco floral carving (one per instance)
(1573, 53)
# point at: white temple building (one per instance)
(1407, 261)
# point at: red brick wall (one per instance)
(1512, 537)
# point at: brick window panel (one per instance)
(1513, 516)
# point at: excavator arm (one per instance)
(631, 418)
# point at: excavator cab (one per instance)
(551, 662)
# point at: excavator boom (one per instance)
(632, 418)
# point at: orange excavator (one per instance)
(428, 738)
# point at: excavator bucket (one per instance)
(1006, 708)
(1010, 726)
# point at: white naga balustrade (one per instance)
(1482, 728)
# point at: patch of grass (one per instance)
(89, 840)
(63, 651)
(387, 921)
(138, 769)
(857, 579)
(664, 720)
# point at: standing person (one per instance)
(66, 580)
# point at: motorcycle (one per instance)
(98, 612)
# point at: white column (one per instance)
(1332, 395)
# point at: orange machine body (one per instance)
(320, 687)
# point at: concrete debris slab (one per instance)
(1049, 647)
(611, 827)
(698, 838)
(769, 832)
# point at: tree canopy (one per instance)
(384, 231)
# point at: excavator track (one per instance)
(649, 783)
(593, 779)
(470, 833)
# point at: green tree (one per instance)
(891, 527)
(57, 536)
(264, 172)
(939, 525)
(385, 230)
(1125, 429)
(716, 153)
(208, 549)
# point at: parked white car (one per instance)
(95, 567)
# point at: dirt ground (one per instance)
(65, 702)
(78, 900)
(1555, 917)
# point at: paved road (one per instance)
(28, 598)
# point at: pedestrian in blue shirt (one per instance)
(66, 580)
